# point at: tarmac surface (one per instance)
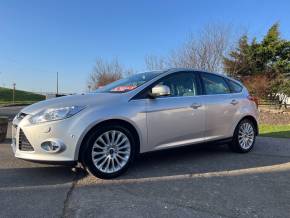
(203, 181)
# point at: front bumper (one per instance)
(27, 140)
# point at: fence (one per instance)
(273, 104)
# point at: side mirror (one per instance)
(160, 90)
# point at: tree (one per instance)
(268, 60)
(273, 54)
(257, 85)
(240, 62)
(204, 52)
(106, 72)
(155, 63)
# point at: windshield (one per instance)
(129, 83)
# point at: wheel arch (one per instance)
(120, 122)
(253, 119)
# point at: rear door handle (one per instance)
(195, 105)
(234, 102)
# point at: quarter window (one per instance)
(181, 84)
(214, 84)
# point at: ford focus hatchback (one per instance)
(149, 111)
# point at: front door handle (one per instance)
(195, 105)
(234, 102)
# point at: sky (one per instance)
(40, 38)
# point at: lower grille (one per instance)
(24, 144)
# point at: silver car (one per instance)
(150, 111)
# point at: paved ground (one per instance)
(189, 182)
(201, 182)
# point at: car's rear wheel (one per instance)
(109, 151)
(244, 137)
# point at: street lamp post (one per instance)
(56, 83)
(13, 94)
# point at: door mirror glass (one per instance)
(160, 90)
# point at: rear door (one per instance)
(221, 106)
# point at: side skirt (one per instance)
(213, 143)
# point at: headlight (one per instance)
(53, 114)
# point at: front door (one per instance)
(178, 119)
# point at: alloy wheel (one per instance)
(246, 135)
(111, 151)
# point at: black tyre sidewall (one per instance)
(235, 145)
(87, 155)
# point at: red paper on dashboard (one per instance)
(123, 88)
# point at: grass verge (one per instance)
(278, 131)
(21, 97)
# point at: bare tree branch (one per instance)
(106, 72)
(204, 52)
(154, 63)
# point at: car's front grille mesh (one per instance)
(24, 144)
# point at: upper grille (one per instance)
(24, 144)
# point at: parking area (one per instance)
(195, 181)
(203, 181)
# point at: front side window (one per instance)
(129, 83)
(214, 84)
(181, 84)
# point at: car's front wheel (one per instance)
(109, 151)
(244, 137)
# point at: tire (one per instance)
(246, 131)
(108, 152)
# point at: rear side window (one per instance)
(235, 87)
(214, 84)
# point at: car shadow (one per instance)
(190, 160)
(19, 173)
